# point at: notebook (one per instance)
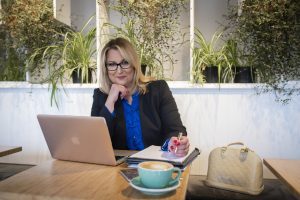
(155, 153)
(79, 138)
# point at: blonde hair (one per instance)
(128, 52)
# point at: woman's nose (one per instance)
(119, 69)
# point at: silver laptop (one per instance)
(79, 138)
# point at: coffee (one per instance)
(155, 174)
(156, 165)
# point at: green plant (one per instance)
(11, 67)
(233, 53)
(76, 52)
(149, 58)
(11, 62)
(235, 57)
(26, 26)
(208, 54)
(129, 33)
(268, 32)
(153, 27)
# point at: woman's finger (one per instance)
(179, 147)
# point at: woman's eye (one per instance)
(111, 64)
(124, 62)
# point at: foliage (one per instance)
(10, 67)
(75, 53)
(207, 54)
(234, 54)
(236, 57)
(153, 27)
(28, 25)
(268, 31)
(10, 60)
(131, 35)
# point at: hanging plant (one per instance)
(153, 28)
(269, 31)
(26, 26)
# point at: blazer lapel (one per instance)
(121, 126)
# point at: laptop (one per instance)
(79, 138)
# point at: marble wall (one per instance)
(213, 117)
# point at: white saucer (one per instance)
(137, 184)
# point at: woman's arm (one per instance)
(99, 109)
(171, 122)
(168, 111)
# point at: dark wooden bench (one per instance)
(273, 190)
(10, 169)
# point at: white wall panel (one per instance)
(213, 117)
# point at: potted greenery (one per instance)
(76, 53)
(269, 33)
(127, 31)
(210, 64)
(22, 31)
(242, 71)
(153, 28)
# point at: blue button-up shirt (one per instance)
(134, 136)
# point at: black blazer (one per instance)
(159, 116)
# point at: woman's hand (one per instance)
(179, 148)
(113, 95)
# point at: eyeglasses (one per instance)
(112, 66)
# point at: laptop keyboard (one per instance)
(119, 157)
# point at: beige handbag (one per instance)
(235, 169)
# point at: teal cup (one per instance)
(155, 174)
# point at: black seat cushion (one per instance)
(273, 190)
(9, 169)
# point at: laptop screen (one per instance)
(78, 138)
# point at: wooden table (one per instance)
(288, 171)
(6, 150)
(71, 180)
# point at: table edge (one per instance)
(281, 178)
(10, 151)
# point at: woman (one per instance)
(139, 111)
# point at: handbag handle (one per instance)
(235, 143)
(243, 149)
